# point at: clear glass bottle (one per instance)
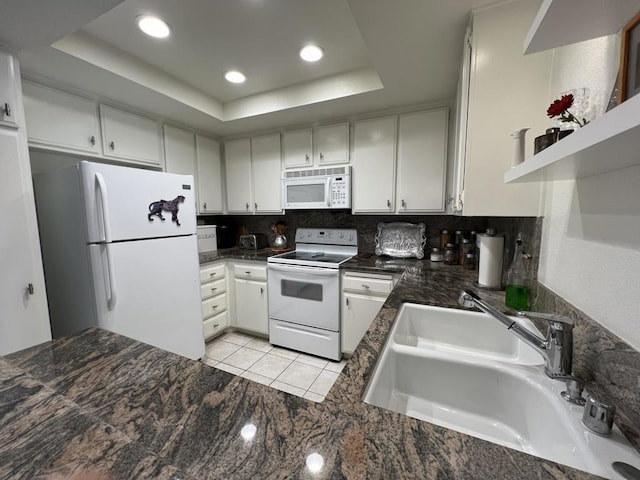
(517, 291)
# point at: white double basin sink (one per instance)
(465, 371)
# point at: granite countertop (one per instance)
(99, 401)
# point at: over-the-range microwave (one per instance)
(317, 188)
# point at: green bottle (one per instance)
(517, 291)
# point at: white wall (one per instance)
(590, 252)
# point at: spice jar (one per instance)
(445, 237)
(450, 255)
(470, 261)
(436, 255)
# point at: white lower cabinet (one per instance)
(363, 295)
(213, 289)
(250, 293)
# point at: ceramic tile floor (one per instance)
(255, 359)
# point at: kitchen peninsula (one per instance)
(104, 402)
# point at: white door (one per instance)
(373, 172)
(131, 137)
(252, 310)
(179, 151)
(305, 295)
(358, 311)
(121, 203)
(266, 162)
(237, 162)
(209, 175)
(297, 148)
(24, 317)
(422, 158)
(332, 144)
(61, 120)
(150, 291)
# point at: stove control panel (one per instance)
(328, 236)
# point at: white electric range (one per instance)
(304, 291)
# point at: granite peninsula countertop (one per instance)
(103, 402)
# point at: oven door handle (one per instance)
(327, 272)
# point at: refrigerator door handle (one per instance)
(104, 202)
(111, 302)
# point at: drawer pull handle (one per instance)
(92, 140)
(216, 325)
(261, 290)
(6, 110)
(214, 307)
(364, 285)
(214, 289)
(212, 274)
(112, 145)
(248, 273)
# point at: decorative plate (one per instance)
(401, 239)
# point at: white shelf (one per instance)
(562, 22)
(608, 143)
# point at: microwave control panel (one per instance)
(340, 192)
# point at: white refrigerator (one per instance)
(111, 261)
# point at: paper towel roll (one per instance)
(490, 268)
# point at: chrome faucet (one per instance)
(556, 348)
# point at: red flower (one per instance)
(558, 107)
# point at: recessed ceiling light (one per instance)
(311, 53)
(234, 76)
(153, 26)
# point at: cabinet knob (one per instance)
(388, 203)
(6, 109)
(30, 289)
(204, 205)
(92, 140)
(112, 145)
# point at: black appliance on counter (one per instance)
(226, 236)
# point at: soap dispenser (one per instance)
(517, 291)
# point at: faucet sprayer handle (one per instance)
(552, 318)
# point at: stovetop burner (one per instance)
(320, 247)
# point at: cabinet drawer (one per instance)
(210, 289)
(375, 286)
(214, 325)
(214, 305)
(251, 272)
(211, 272)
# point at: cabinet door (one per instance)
(179, 151)
(252, 311)
(373, 161)
(422, 158)
(332, 144)
(358, 311)
(8, 91)
(209, 168)
(24, 317)
(127, 136)
(237, 160)
(267, 173)
(61, 120)
(297, 148)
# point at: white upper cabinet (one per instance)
(128, 136)
(8, 91)
(266, 164)
(297, 148)
(60, 121)
(179, 151)
(373, 173)
(507, 91)
(209, 170)
(332, 144)
(237, 159)
(422, 158)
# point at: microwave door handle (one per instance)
(328, 192)
(299, 269)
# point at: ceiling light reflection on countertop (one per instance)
(311, 53)
(315, 462)
(234, 76)
(248, 432)
(153, 26)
